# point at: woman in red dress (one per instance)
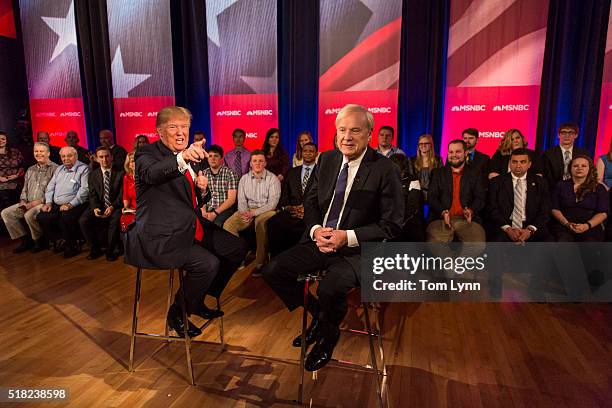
(129, 193)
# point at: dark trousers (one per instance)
(282, 271)
(210, 265)
(58, 224)
(284, 232)
(94, 228)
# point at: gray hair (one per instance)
(43, 144)
(354, 108)
(67, 148)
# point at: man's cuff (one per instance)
(181, 163)
(312, 230)
(532, 227)
(505, 227)
(352, 239)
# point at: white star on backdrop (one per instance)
(213, 9)
(65, 29)
(122, 82)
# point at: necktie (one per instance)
(518, 213)
(106, 195)
(238, 163)
(336, 205)
(199, 230)
(305, 179)
(567, 158)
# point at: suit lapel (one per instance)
(329, 183)
(182, 180)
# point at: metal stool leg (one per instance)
(221, 332)
(186, 327)
(366, 309)
(303, 345)
(170, 288)
(135, 319)
(380, 340)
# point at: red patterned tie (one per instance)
(199, 230)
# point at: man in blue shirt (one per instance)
(65, 201)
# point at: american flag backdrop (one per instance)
(494, 69)
(242, 58)
(604, 131)
(140, 43)
(52, 66)
(358, 61)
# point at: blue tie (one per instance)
(336, 205)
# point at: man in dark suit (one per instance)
(473, 157)
(72, 140)
(355, 197)
(519, 203)
(287, 227)
(119, 153)
(169, 230)
(105, 204)
(456, 198)
(556, 160)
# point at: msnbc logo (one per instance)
(469, 108)
(511, 108)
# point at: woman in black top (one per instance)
(513, 139)
(580, 204)
(277, 159)
(424, 162)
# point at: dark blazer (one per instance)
(83, 155)
(374, 208)
(96, 189)
(552, 162)
(480, 162)
(501, 201)
(165, 216)
(440, 197)
(292, 187)
(119, 155)
(55, 154)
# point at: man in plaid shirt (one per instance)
(223, 187)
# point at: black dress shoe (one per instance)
(95, 253)
(40, 245)
(311, 334)
(71, 250)
(208, 314)
(112, 256)
(26, 243)
(58, 246)
(322, 351)
(175, 322)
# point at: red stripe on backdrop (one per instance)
(7, 19)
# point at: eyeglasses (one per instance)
(567, 132)
(425, 144)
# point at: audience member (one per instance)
(413, 229)
(222, 187)
(277, 159)
(128, 213)
(117, 152)
(519, 202)
(604, 168)
(287, 227)
(43, 137)
(303, 138)
(11, 171)
(425, 161)
(258, 194)
(105, 198)
(500, 162)
(65, 201)
(199, 135)
(556, 160)
(456, 197)
(30, 202)
(385, 140)
(140, 141)
(580, 204)
(473, 157)
(84, 155)
(238, 159)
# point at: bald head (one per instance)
(106, 138)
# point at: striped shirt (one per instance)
(36, 179)
(259, 193)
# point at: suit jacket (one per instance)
(552, 161)
(472, 193)
(374, 208)
(119, 154)
(292, 188)
(165, 216)
(501, 201)
(83, 155)
(96, 189)
(480, 162)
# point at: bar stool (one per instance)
(379, 376)
(166, 336)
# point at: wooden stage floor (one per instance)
(66, 323)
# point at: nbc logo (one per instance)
(251, 135)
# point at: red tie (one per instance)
(199, 230)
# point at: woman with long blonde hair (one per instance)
(513, 139)
(604, 168)
(424, 162)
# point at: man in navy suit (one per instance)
(519, 203)
(556, 160)
(169, 230)
(355, 197)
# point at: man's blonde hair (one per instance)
(164, 115)
(354, 108)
